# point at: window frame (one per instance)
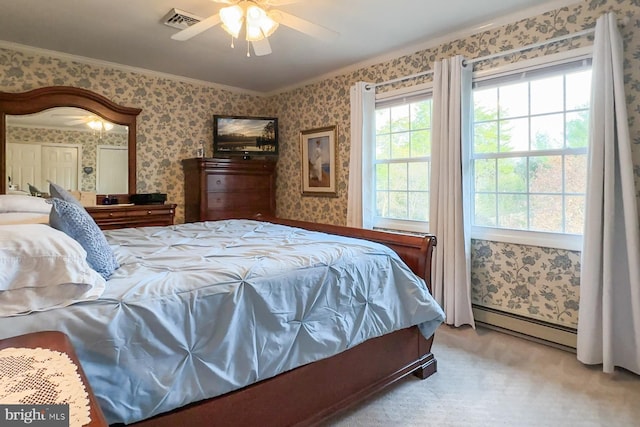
(557, 240)
(411, 93)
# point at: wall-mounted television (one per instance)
(245, 136)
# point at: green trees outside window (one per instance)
(402, 161)
(529, 154)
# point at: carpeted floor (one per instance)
(488, 378)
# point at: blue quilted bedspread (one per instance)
(198, 310)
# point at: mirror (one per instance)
(85, 136)
(69, 146)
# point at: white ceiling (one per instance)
(131, 33)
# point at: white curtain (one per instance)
(609, 314)
(359, 203)
(448, 214)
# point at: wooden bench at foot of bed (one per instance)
(313, 393)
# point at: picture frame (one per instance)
(319, 160)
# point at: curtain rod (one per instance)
(485, 58)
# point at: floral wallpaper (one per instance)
(176, 117)
(88, 140)
(538, 283)
(534, 282)
(175, 122)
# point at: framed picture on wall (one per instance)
(319, 160)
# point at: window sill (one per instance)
(571, 242)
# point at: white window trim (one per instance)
(401, 224)
(389, 223)
(535, 63)
(543, 239)
(571, 242)
(422, 88)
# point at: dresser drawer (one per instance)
(107, 214)
(237, 182)
(248, 201)
(110, 217)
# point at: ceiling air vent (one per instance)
(180, 19)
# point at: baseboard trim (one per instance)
(546, 333)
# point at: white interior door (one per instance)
(113, 170)
(24, 165)
(60, 164)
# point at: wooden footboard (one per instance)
(312, 393)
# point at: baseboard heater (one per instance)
(536, 330)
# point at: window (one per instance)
(401, 163)
(529, 150)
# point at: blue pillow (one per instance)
(75, 221)
(58, 192)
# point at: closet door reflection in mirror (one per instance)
(70, 146)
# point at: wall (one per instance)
(538, 283)
(175, 121)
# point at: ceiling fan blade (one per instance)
(304, 26)
(261, 47)
(196, 29)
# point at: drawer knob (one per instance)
(148, 212)
(110, 213)
(218, 182)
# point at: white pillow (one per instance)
(19, 203)
(10, 218)
(42, 268)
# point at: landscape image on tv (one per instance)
(246, 135)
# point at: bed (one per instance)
(247, 322)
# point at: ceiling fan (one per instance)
(92, 121)
(68, 119)
(259, 22)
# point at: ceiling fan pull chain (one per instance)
(232, 46)
(248, 53)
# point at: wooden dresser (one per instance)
(109, 217)
(217, 188)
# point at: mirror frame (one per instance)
(37, 100)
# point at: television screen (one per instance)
(246, 136)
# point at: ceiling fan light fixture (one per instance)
(257, 17)
(268, 25)
(100, 125)
(254, 33)
(232, 17)
(95, 124)
(254, 14)
(258, 23)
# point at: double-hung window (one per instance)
(401, 161)
(529, 154)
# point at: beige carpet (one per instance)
(488, 378)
